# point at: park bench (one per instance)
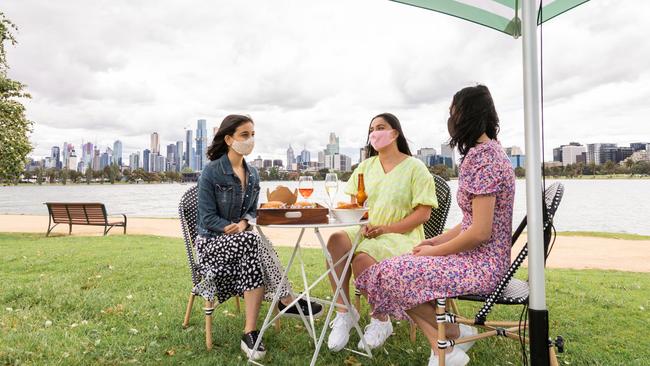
(78, 213)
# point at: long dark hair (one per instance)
(472, 114)
(227, 128)
(402, 145)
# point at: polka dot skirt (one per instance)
(233, 264)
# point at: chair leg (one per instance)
(277, 322)
(552, 356)
(237, 305)
(454, 306)
(209, 309)
(357, 303)
(188, 311)
(413, 331)
(442, 338)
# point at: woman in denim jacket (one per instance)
(233, 259)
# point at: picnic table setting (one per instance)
(284, 211)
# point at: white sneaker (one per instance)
(457, 357)
(466, 331)
(340, 333)
(376, 333)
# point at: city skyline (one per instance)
(292, 85)
(176, 159)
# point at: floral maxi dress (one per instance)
(401, 283)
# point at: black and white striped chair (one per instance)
(509, 291)
(433, 227)
(188, 211)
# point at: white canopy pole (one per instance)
(538, 314)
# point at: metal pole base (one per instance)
(538, 321)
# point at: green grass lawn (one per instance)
(120, 300)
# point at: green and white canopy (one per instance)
(502, 15)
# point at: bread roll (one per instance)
(273, 204)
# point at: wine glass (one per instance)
(331, 187)
(306, 186)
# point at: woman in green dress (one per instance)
(401, 193)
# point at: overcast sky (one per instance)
(118, 69)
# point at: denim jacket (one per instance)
(221, 200)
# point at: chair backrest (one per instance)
(188, 211)
(436, 223)
(92, 213)
(552, 197)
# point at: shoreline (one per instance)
(571, 250)
(586, 234)
(582, 177)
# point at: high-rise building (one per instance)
(516, 156)
(134, 161)
(424, 154)
(305, 157)
(362, 154)
(193, 161)
(557, 154)
(56, 157)
(146, 165)
(341, 163)
(104, 160)
(448, 152)
(171, 157)
(71, 161)
(201, 144)
(117, 153)
(321, 159)
(87, 153)
(291, 158)
(258, 163)
(277, 163)
(65, 153)
(572, 153)
(96, 159)
(155, 143)
(187, 160)
(161, 163)
(333, 145)
(178, 155)
(594, 150)
(615, 154)
(267, 163)
(638, 146)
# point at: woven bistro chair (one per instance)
(188, 210)
(433, 227)
(509, 291)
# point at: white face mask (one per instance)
(244, 147)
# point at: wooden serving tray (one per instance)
(292, 216)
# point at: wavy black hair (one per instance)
(227, 128)
(402, 144)
(472, 114)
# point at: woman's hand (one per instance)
(430, 242)
(236, 228)
(425, 250)
(372, 232)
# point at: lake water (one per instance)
(588, 205)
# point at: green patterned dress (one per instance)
(392, 197)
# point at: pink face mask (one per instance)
(381, 139)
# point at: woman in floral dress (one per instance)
(471, 257)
